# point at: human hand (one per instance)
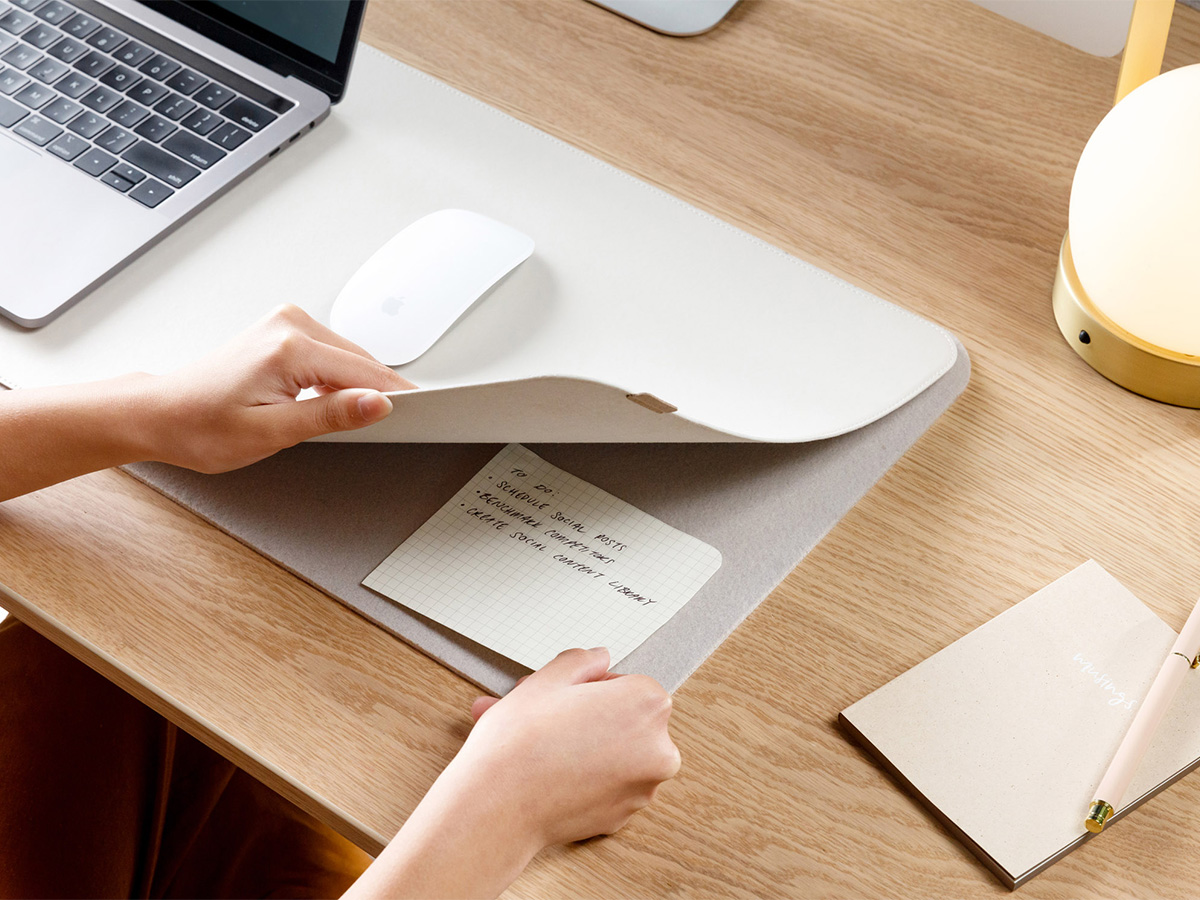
(573, 751)
(579, 749)
(238, 405)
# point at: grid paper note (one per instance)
(529, 560)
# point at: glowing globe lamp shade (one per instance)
(1127, 295)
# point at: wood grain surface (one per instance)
(922, 150)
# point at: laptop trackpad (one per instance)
(14, 159)
(74, 229)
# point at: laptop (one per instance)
(120, 119)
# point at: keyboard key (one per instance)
(38, 130)
(75, 85)
(112, 179)
(68, 147)
(156, 128)
(150, 193)
(159, 67)
(28, 5)
(88, 125)
(128, 172)
(115, 140)
(12, 81)
(186, 81)
(49, 70)
(107, 39)
(21, 56)
(95, 162)
(229, 136)
(62, 110)
(35, 95)
(101, 99)
(11, 113)
(6, 41)
(193, 149)
(42, 36)
(68, 50)
(174, 171)
(81, 26)
(214, 96)
(15, 21)
(148, 92)
(202, 121)
(120, 78)
(128, 114)
(54, 12)
(132, 54)
(175, 107)
(94, 64)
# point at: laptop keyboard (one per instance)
(114, 107)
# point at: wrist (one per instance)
(466, 838)
(76, 429)
(135, 404)
(505, 789)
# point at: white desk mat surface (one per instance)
(628, 286)
(331, 513)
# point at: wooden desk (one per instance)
(921, 150)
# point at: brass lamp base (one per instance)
(1115, 353)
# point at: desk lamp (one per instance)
(1127, 293)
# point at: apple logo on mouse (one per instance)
(424, 279)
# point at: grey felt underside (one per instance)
(331, 513)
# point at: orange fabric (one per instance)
(101, 797)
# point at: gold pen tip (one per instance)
(1097, 816)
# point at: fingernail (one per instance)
(596, 649)
(373, 406)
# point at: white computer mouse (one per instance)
(418, 284)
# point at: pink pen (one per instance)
(1183, 656)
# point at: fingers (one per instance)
(291, 315)
(573, 667)
(296, 421)
(672, 762)
(330, 360)
(482, 705)
(310, 363)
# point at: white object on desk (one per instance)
(1094, 26)
(632, 292)
(529, 560)
(418, 284)
(1135, 234)
(678, 18)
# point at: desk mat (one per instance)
(330, 513)
(629, 290)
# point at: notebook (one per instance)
(1006, 733)
(529, 560)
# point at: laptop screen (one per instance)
(311, 39)
(312, 25)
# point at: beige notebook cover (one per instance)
(1006, 733)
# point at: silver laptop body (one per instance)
(86, 184)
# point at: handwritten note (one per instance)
(529, 560)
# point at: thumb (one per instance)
(342, 410)
(574, 667)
